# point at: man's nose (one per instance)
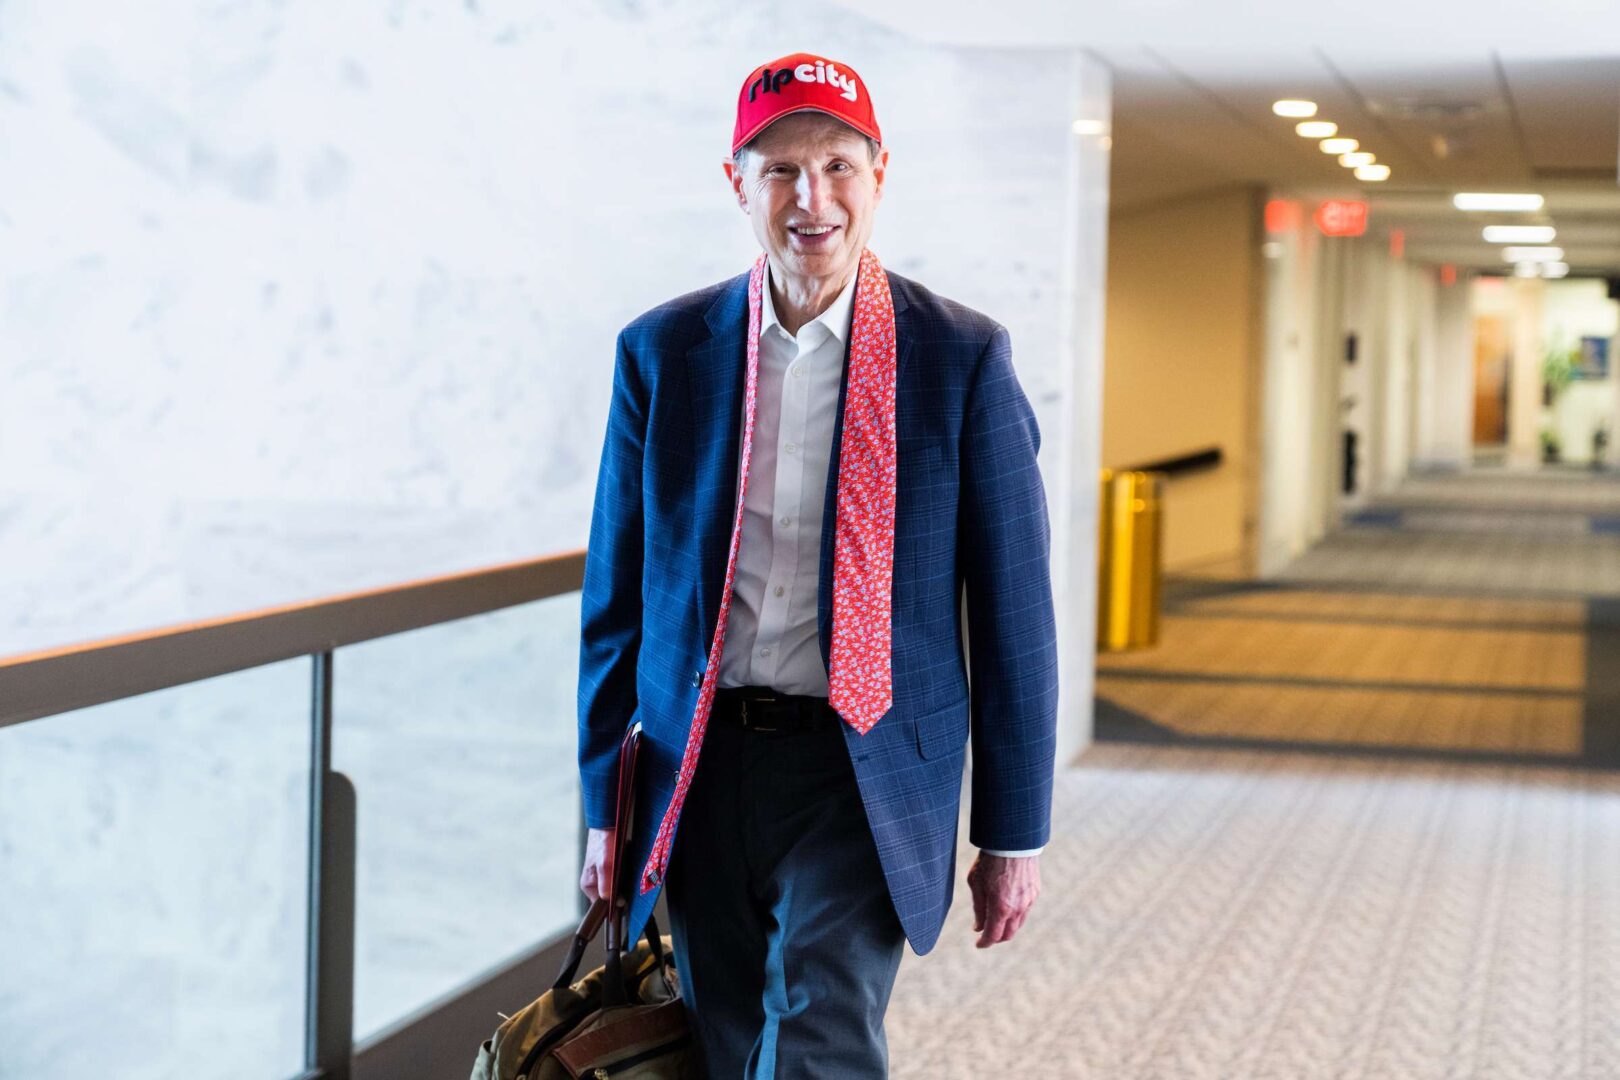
(812, 191)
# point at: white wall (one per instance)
(1408, 395)
(346, 281)
(307, 298)
(1291, 386)
(1447, 398)
(1525, 393)
(1424, 433)
(1399, 374)
(1072, 490)
(1361, 384)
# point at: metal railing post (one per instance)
(329, 983)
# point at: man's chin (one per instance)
(817, 264)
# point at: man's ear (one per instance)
(735, 175)
(880, 167)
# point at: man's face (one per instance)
(809, 186)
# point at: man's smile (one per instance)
(812, 235)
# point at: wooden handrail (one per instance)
(58, 680)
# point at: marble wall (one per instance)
(301, 298)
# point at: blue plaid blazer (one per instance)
(970, 514)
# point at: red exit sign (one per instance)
(1342, 217)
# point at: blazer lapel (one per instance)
(716, 373)
(903, 338)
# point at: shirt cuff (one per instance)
(1012, 854)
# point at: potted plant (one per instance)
(1550, 449)
(1558, 364)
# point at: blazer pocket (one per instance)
(943, 731)
(921, 453)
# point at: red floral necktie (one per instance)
(859, 679)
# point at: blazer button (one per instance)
(697, 678)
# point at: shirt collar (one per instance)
(835, 319)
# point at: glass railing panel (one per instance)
(460, 741)
(153, 881)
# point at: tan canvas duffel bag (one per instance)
(573, 1030)
(623, 1021)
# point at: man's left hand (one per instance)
(1004, 889)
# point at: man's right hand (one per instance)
(598, 871)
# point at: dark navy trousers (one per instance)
(785, 937)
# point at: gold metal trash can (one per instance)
(1130, 529)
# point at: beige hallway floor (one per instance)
(1240, 915)
(1361, 822)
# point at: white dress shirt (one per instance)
(772, 631)
(772, 634)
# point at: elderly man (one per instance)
(806, 467)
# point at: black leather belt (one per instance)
(759, 708)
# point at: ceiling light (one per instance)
(1293, 107)
(1317, 129)
(1532, 254)
(1480, 200)
(1357, 159)
(1090, 127)
(1527, 269)
(1338, 146)
(1373, 172)
(1554, 269)
(1520, 234)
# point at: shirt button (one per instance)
(765, 651)
(780, 590)
(790, 448)
(786, 520)
(797, 369)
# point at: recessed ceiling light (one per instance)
(1317, 129)
(1338, 146)
(1482, 200)
(1555, 269)
(1532, 254)
(1357, 159)
(1293, 107)
(1373, 172)
(1520, 234)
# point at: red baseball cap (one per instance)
(799, 83)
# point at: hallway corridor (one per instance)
(1359, 822)
(1475, 615)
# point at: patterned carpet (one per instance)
(1237, 915)
(1361, 822)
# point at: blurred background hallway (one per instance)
(1473, 614)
